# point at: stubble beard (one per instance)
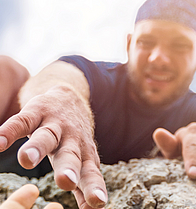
(141, 96)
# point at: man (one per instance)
(73, 100)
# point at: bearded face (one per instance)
(161, 62)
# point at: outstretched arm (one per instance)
(57, 117)
(12, 78)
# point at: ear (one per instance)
(129, 36)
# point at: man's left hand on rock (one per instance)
(182, 143)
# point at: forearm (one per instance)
(12, 77)
(56, 74)
(65, 83)
(57, 117)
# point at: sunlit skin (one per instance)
(161, 61)
(24, 198)
(161, 66)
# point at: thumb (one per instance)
(167, 143)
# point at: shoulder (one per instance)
(106, 79)
(84, 63)
(95, 71)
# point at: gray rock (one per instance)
(174, 195)
(139, 184)
(9, 183)
(51, 192)
(148, 184)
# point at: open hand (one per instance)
(182, 143)
(59, 129)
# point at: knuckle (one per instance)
(74, 151)
(192, 127)
(19, 124)
(92, 170)
(183, 132)
(25, 121)
(191, 145)
(94, 154)
(54, 131)
(88, 148)
(180, 131)
(91, 150)
(40, 104)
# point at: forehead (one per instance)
(165, 29)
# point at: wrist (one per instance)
(77, 103)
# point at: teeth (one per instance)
(160, 78)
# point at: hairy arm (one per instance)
(58, 73)
(58, 120)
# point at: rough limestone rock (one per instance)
(140, 184)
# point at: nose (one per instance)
(159, 56)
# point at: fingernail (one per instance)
(100, 194)
(3, 142)
(33, 155)
(71, 175)
(192, 171)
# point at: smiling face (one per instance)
(161, 62)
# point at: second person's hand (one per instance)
(24, 198)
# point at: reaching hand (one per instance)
(24, 198)
(182, 143)
(58, 123)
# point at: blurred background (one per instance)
(37, 32)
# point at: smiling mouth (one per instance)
(160, 78)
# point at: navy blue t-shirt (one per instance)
(123, 129)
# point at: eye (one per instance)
(181, 47)
(146, 43)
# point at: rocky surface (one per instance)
(139, 184)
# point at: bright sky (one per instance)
(37, 32)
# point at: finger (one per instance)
(16, 127)
(67, 162)
(80, 199)
(92, 185)
(167, 143)
(53, 205)
(23, 198)
(189, 160)
(187, 137)
(42, 142)
(188, 153)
